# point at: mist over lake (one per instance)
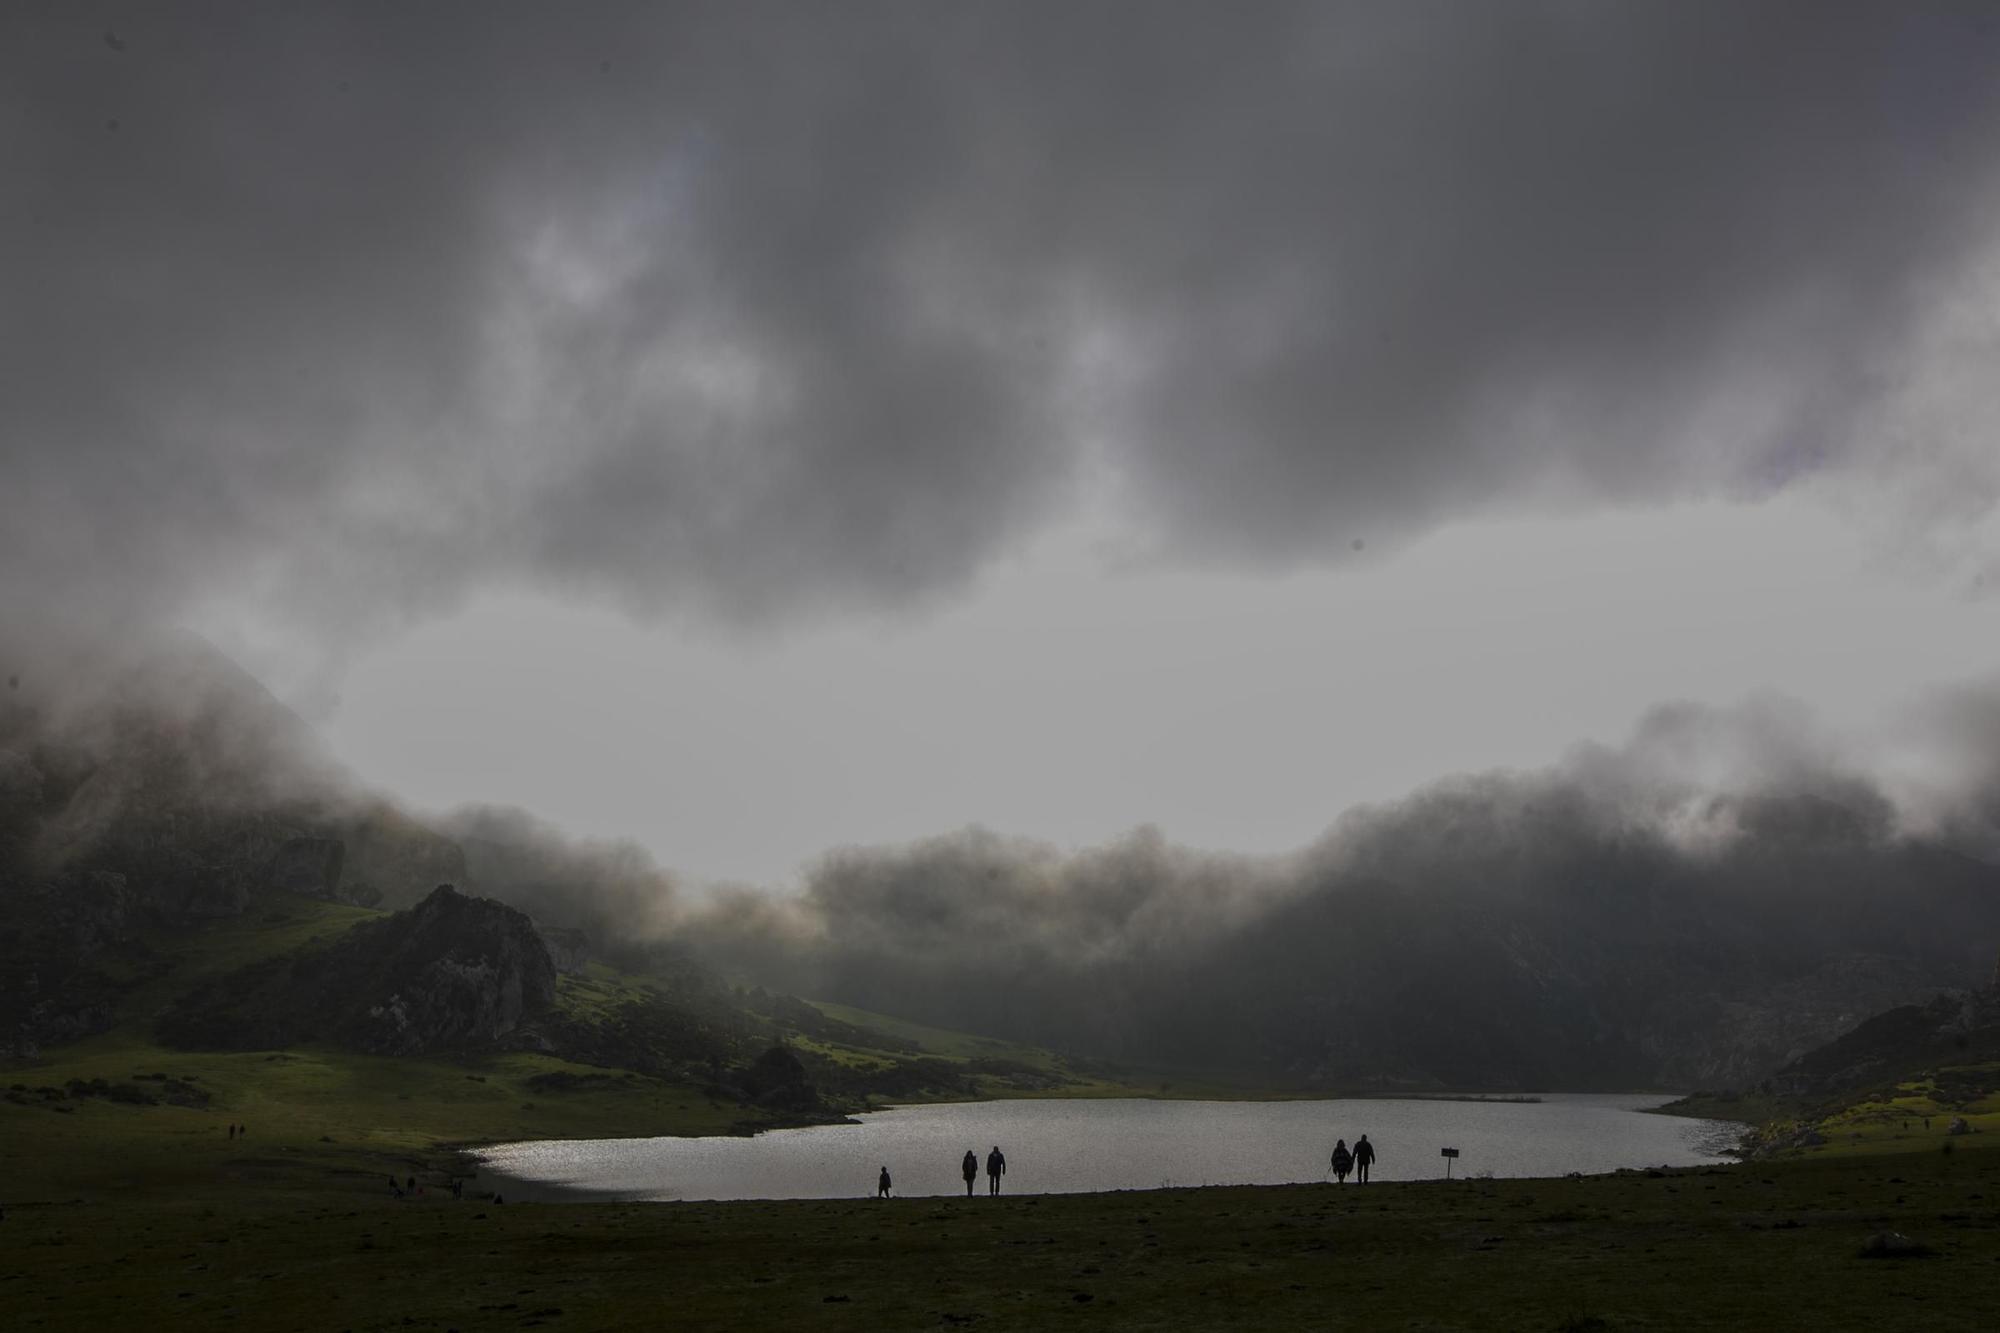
(1075, 1146)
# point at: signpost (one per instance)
(1447, 1154)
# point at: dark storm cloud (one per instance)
(756, 307)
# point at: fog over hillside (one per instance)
(327, 326)
(1691, 907)
(1695, 906)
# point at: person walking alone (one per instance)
(1364, 1157)
(882, 1184)
(996, 1167)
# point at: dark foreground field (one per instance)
(1761, 1246)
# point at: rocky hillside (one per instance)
(155, 794)
(452, 974)
(1954, 1029)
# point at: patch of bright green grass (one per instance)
(272, 923)
(599, 993)
(936, 1041)
(1081, 1081)
(318, 1109)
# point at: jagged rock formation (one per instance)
(569, 949)
(452, 974)
(1956, 1028)
(56, 939)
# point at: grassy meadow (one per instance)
(124, 1209)
(122, 1216)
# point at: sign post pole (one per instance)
(1447, 1154)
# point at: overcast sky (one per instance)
(756, 427)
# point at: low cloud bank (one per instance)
(1694, 903)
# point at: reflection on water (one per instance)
(1058, 1146)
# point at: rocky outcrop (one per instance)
(55, 943)
(1957, 1027)
(392, 859)
(455, 973)
(569, 949)
(309, 866)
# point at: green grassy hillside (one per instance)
(120, 1113)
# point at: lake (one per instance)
(1059, 1146)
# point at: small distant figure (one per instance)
(498, 1200)
(969, 1168)
(394, 1188)
(232, 1129)
(410, 1184)
(1364, 1157)
(996, 1167)
(457, 1186)
(882, 1184)
(1343, 1161)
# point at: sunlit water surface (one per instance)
(1060, 1147)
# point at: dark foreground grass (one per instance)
(282, 1241)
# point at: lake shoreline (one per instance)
(1092, 1146)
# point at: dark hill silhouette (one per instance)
(1955, 1028)
(452, 974)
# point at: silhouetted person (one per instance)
(232, 1129)
(411, 1184)
(1343, 1161)
(996, 1167)
(969, 1168)
(882, 1184)
(1364, 1157)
